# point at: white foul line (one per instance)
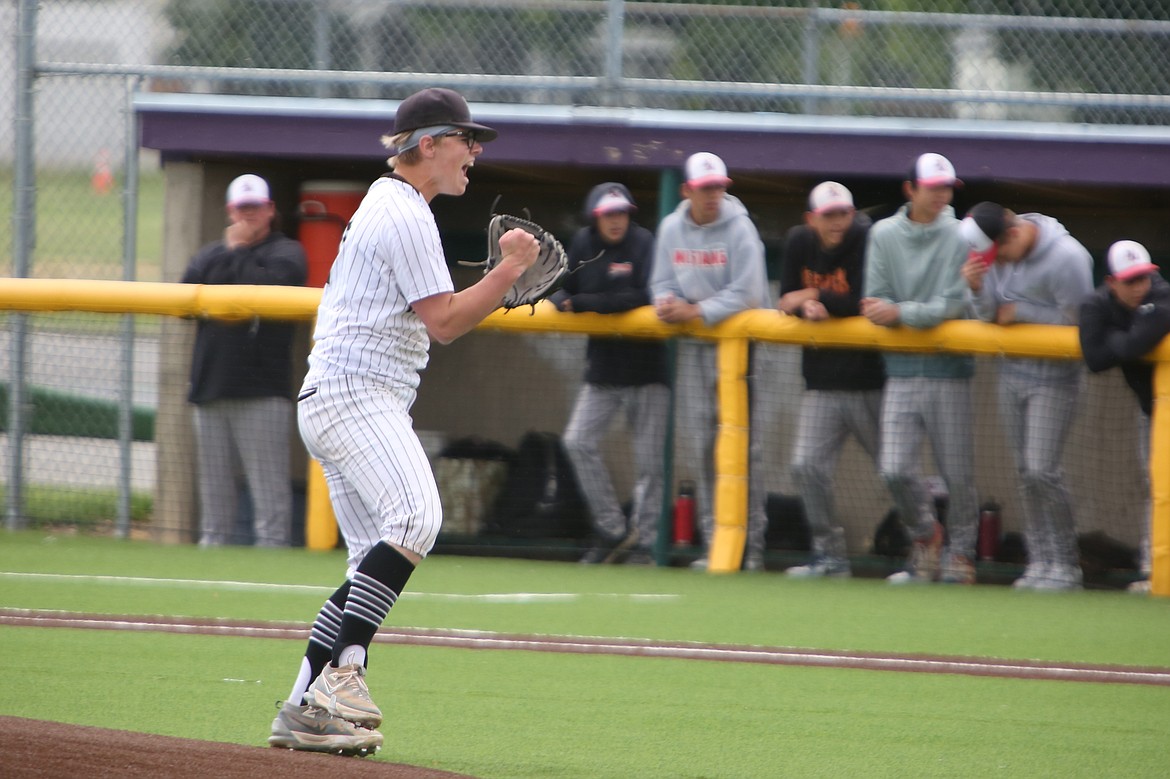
(237, 586)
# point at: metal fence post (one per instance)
(811, 54)
(23, 240)
(129, 273)
(615, 22)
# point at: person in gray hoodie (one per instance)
(1027, 268)
(708, 265)
(913, 279)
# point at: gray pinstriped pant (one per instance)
(918, 408)
(697, 425)
(1036, 418)
(251, 434)
(827, 419)
(645, 408)
(1143, 427)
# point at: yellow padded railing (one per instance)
(242, 301)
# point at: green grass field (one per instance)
(532, 714)
(79, 232)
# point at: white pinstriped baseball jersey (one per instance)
(390, 256)
(354, 410)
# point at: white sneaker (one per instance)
(1060, 577)
(1033, 572)
(822, 566)
(343, 693)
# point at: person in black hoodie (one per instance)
(241, 374)
(821, 276)
(1120, 322)
(609, 271)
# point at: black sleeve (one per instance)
(792, 260)
(1151, 323)
(1104, 345)
(277, 261)
(1091, 330)
(848, 302)
(611, 297)
(578, 251)
(280, 261)
(206, 262)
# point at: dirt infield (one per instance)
(50, 750)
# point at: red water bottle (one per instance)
(684, 514)
(990, 527)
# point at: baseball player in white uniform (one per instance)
(389, 293)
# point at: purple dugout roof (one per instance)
(185, 125)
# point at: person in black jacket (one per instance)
(609, 264)
(822, 274)
(241, 374)
(1120, 322)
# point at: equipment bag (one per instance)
(540, 497)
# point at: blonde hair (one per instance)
(408, 157)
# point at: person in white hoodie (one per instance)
(912, 278)
(708, 265)
(1027, 268)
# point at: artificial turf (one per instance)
(527, 714)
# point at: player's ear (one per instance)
(908, 189)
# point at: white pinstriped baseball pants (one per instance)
(918, 408)
(380, 481)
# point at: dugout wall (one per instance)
(547, 158)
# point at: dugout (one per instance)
(1104, 183)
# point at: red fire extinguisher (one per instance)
(990, 527)
(684, 514)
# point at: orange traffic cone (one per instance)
(102, 180)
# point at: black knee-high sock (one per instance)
(320, 648)
(324, 632)
(379, 580)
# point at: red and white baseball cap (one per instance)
(613, 200)
(935, 170)
(830, 196)
(704, 169)
(1129, 259)
(248, 189)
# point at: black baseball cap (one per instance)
(434, 107)
(991, 219)
(982, 228)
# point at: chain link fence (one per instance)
(88, 203)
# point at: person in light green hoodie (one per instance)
(913, 278)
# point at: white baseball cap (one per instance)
(704, 169)
(934, 170)
(1129, 259)
(247, 189)
(982, 228)
(830, 196)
